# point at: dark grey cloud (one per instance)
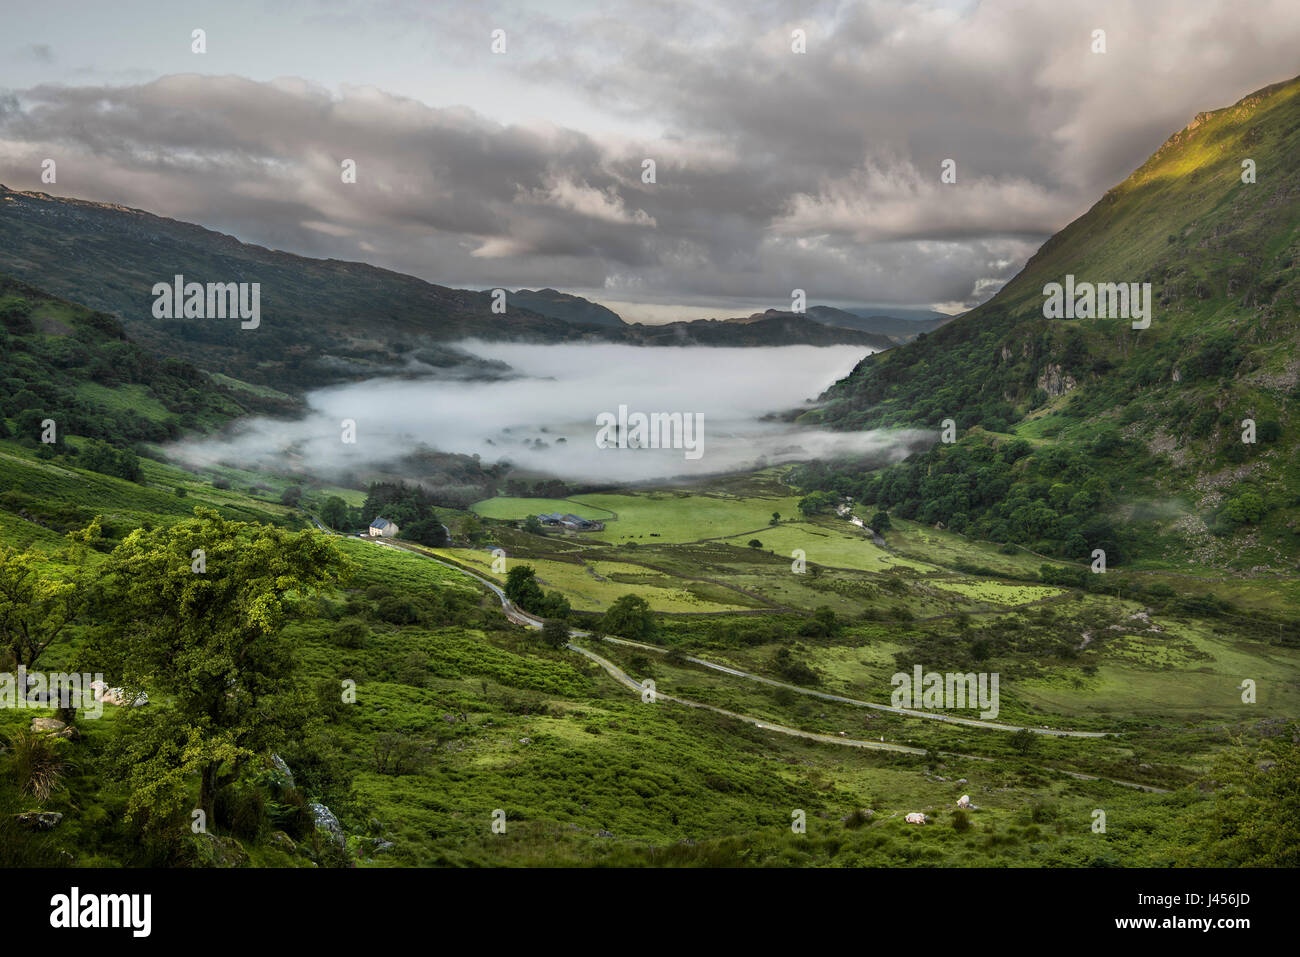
(774, 170)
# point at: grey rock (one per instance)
(39, 820)
(283, 775)
(327, 822)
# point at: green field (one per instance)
(593, 585)
(516, 508)
(684, 516)
(827, 544)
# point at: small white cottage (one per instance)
(382, 528)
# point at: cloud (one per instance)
(774, 170)
(543, 419)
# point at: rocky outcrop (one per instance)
(1054, 381)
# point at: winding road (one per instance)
(521, 617)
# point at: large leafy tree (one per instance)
(522, 589)
(35, 609)
(335, 512)
(1255, 819)
(629, 617)
(195, 614)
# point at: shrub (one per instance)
(38, 767)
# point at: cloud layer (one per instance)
(774, 170)
(544, 419)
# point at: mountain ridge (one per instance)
(324, 320)
(1220, 351)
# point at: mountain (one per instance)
(904, 327)
(566, 307)
(771, 328)
(321, 320)
(1158, 414)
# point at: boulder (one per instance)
(916, 817)
(280, 773)
(212, 850)
(48, 724)
(328, 823)
(116, 696)
(39, 820)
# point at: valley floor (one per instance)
(769, 738)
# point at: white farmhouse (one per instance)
(382, 528)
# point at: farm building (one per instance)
(570, 521)
(382, 528)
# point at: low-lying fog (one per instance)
(544, 419)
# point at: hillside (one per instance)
(900, 328)
(567, 308)
(321, 320)
(772, 328)
(1157, 413)
(62, 361)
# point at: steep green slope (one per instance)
(1168, 402)
(62, 361)
(321, 319)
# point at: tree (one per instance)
(629, 617)
(1024, 741)
(291, 496)
(823, 623)
(1255, 820)
(427, 530)
(755, 543)
(553, 605)
(880, 522)
(334, 512)
(816, 503)
(792, 669)
(776, 518)
(101, 457)
(1248, 507)
(35, 609)
(533, 525)
(209, 644)
(522, 588)
(1270, 430)
(470, 528)
(555, 632)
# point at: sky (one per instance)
(773, 169)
